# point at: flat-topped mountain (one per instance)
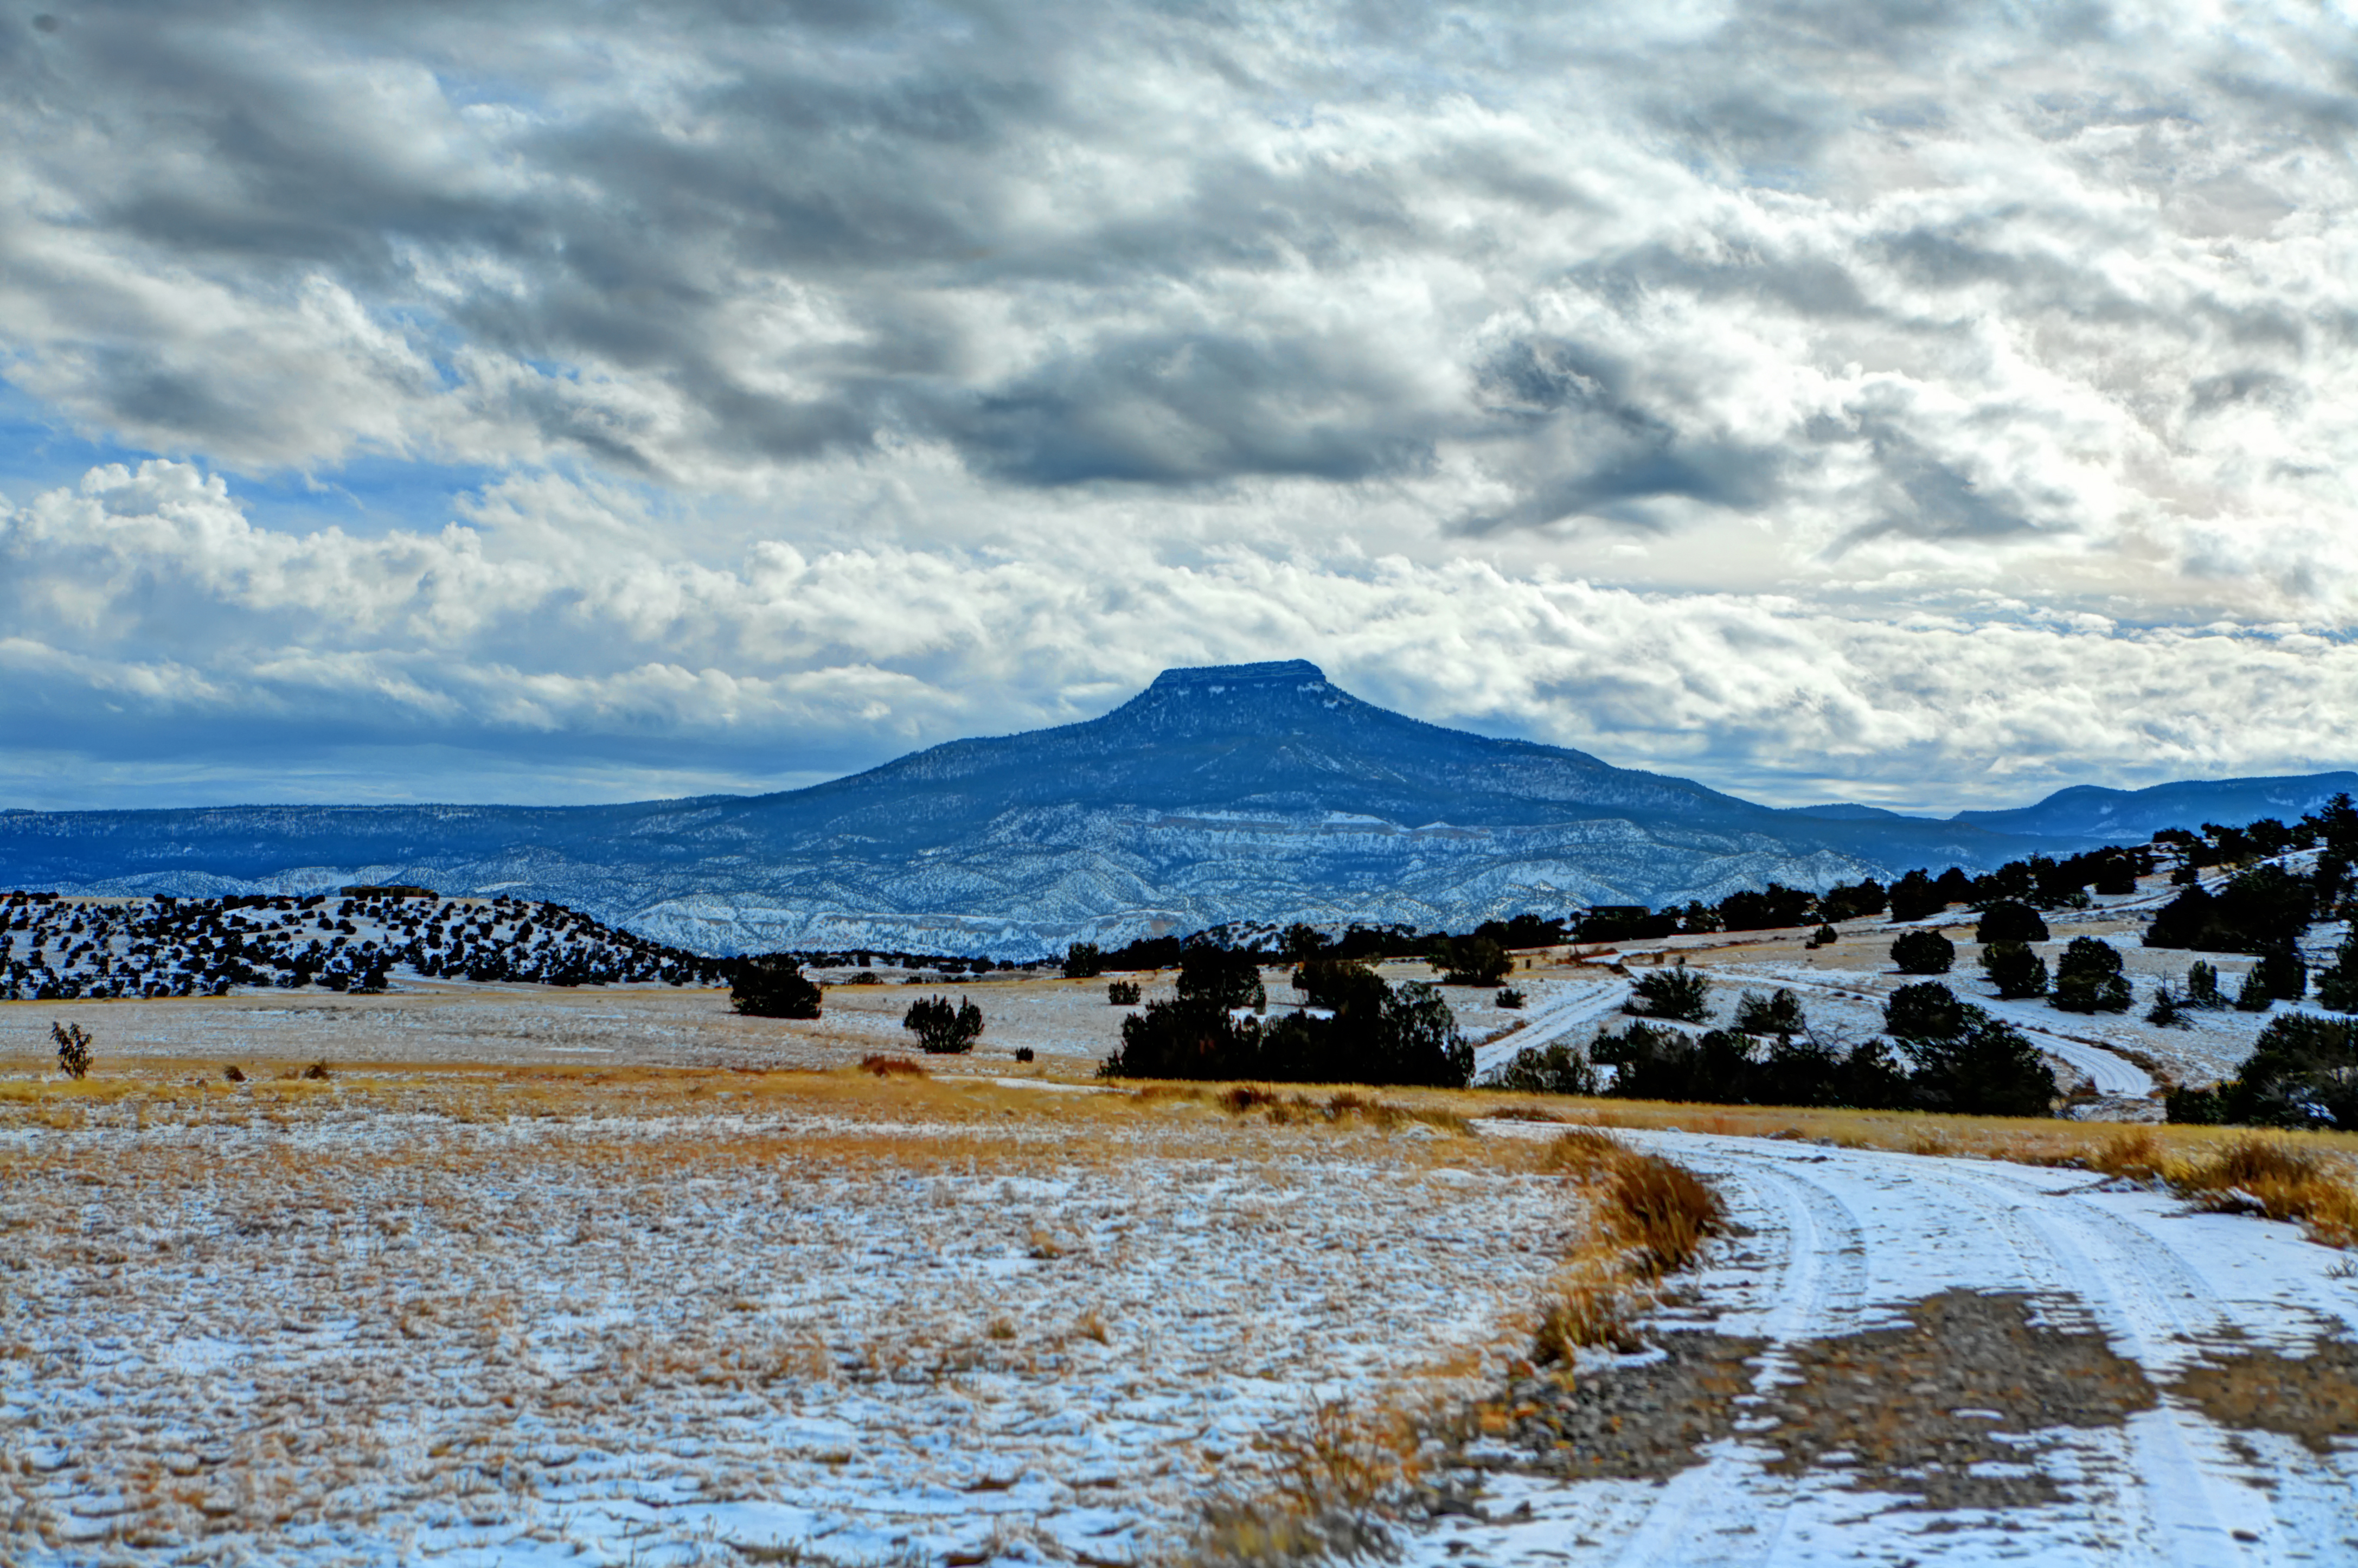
(1230, 793)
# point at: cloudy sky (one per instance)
(1928, 404)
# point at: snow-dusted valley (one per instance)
(464, 1266)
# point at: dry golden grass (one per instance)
(1331, 1480)
(2282, 1180)
(2308, 1178)
(1652, 1218)
(394, 1219)
(2185, 1158)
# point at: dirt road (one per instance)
(1960, 1361)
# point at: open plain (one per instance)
(509, 1274)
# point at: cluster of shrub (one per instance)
(1475, 958)
(2302, 1073)
(1354, 1027)
(1943, 1054)
(2087, 976)
(2041, 880)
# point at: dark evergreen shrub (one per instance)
(1220, 976)
(772, 986)
(2011, 921)
(1775, 905)
(73, 1043)
(1083, 961)
(2088, 977)
(2337, 983)
(1850, 901)
(1914, 896)
(1554, 1068)
(2260, 909)
(1123, 993)
(2014, 969)
(1679, 992)
(1927, 1011)
(943, 1030)
(1471, 961)
(1330, 982)
(1779, 1013)
(2303, 1072)
(2282, 973)
(1986, 1068)
(1923, 952)
(1377, 1035)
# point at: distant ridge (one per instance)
(2091, 810)
(1220, 793)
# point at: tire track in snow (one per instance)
(1578, 1002)
(1844, 1236)
(2111, 1074)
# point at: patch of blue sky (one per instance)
(365, 495)
(40, 450)
(369, 494)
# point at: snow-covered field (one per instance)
(664, 1319)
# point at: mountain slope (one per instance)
(1253, 792)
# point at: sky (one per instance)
(1919, 404)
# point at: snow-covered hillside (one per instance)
(356, 939)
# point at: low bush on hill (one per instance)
(2011, 921)
(772, 986)
(73, 1044)
(1555, 1068)
(2088, 978)
(943, 1030)
(1471, 961)
(1942, 1054)
(2261, 910)
(2014, 969)
(1923, 953)
(1678, 993)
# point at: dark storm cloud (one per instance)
(1074, 247)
